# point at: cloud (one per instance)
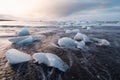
(46, 9)
(65, 8)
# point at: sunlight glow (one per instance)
(31, 8)
(17, 7)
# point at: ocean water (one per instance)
(27, 23)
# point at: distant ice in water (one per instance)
(51, 60)
(72, 31)
(68, 31)
(88, 28)
(75, 30)
(84, 27)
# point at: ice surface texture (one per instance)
(67, 42)
(25, 40)
(23, 32)
(14, 56)
(80, 37)
(51, 60)
(72, 31)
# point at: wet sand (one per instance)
(98, 63)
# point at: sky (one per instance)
(62, 9)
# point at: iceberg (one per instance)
(14, 56)
(67, 42)
(26, 42)
(51, 60)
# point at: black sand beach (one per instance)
(98, 63)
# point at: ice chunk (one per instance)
(80, 44)
(68, 31)
(86, 38)
(88, 28)
(57, 62)
(72, 31)
(103, 42)
(75, 30)
(84, 27)
(17, 39)
(51, 60)
(24, 32)
(26, 42)
(78, 37)
(67, 42)
(14, 56)
(96, 40)
(41, 58)
(37, 38)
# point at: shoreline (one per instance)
(102, 62)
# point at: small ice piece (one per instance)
(26, 42)
(61, 26)
(72, 31)
(88, 28)
(37, 38)
(86, 38)
(103, 42)
(84, 27)
(22, 39)
(96, 40)
(40, 58)
(51, 60)
(17, 39)
(67, 42)
(78, 37)
(24, 32)
(68, 31)
(14, 56)
(80, 44)
(75, 31)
